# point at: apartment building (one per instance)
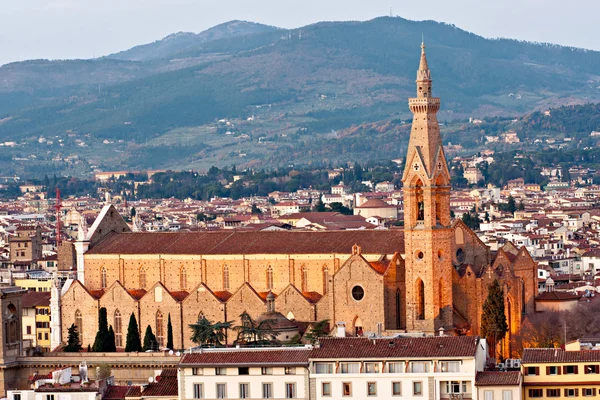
(557, 373)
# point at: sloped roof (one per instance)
(375, 203)
(445, 346)
(559, 356)
(280, 356)
(497, 378)
(35, 299)
(262, 242)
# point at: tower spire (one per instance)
(423, 75)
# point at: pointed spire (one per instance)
(423, 74)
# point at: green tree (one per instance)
(471, 219)
(101, 343)
(150, 342)
(512, 205)
(251, 331)
(132, 212)
(319, 206)
(133, 342)
(204, 332)
(73, 343)
(317, 330)
(493, 319)
(339, 207)
(110, 343)
(256, 210)
(169, 333)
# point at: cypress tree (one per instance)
(169, 333)
(150, 342)
(493, 319)
(110, 345)
(133, 342)
(73, 343)
(101, 341)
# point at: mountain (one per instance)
(181, 41)
(260, 96)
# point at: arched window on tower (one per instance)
(304, 278)
(183, 278)
(420, 202)
(420, 299)
(118, 326)
(79, 325)
(160, 333)
(103, 278)
(441, 295)
(142, 278)
(11, 325)
(269, 278)
(325, 280)
(225, 277)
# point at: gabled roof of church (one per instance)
(263, 242)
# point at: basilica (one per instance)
(428, 278)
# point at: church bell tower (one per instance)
(427, 232)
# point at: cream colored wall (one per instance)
(498, 392)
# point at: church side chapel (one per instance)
(431, 277)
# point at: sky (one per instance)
(60, 29)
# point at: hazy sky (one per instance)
(90, 28)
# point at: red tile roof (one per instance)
(134, 391)
(445, 346)
(557, 296)
(262, 242)
(179, 295)
(115, 392)
(280, 356)
(35, 299)
(137, 293)
(312, 297)
(496, 378)
(559, 356)
(222, 295)
(164, 386)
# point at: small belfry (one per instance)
(427, 230)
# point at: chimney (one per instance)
(341, 329)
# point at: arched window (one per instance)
(304, 279)
(160, 333)
(142, 278)
(441, 295)
(118, 329)
(11, 325)
(270, 278)
(420, 209)
(183, 279)
(225, 277)
(325, 280)
(420, 299)
(79, 324)
(103, 278)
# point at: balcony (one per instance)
(457, 396)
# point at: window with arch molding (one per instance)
(103, 278)
(79, 324)
(183, 279)
(11, 325)
(269, 278)
(325, 280)
(118, 327)
(142, 278)
(226, 277)
(160, 333)
(304, 279)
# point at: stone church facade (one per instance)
(432, 275)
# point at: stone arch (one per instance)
(398, 302)
(420, 299)
(357, 326)
(304, 278)
(441, 294)
(325, 272)
(290, 315)
(419, 201)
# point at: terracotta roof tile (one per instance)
(96, 294)
(379, 267)
(446, 346)
(261, 242)
(557, 296)
(179, 295)
(281, 356)
(33, 299)
(115, 393)
(496, 378)
(165, 385)
(222, 295)
(559, 356)
(137, 293)
(312, 297)
(134, 391)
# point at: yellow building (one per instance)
(556, 373)
(36, 319)
(35, 285)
